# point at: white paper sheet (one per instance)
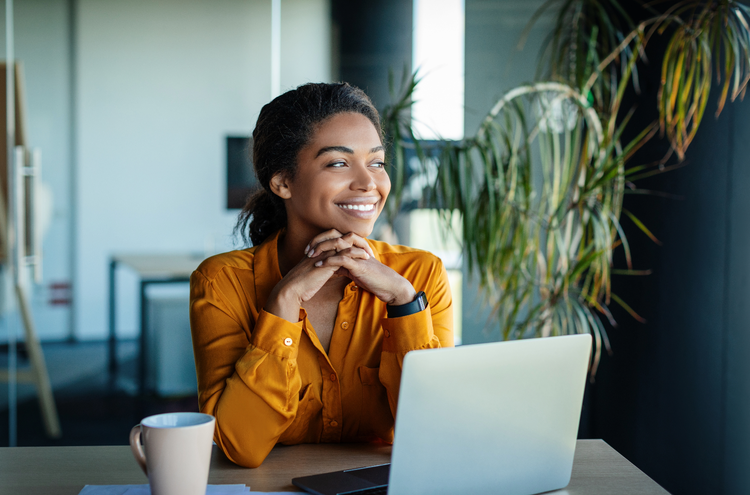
(144, 490)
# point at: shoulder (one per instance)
(221, 264)
(395, 251)
(407, 260)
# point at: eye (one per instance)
(378, 164)
(336, 165)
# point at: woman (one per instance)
(300, 338)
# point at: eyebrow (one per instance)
(344, 149)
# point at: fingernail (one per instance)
(307, 248)
(310, 253)
(318, 263)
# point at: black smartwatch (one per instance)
(418, 304)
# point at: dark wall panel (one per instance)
(736, 432)
(673, 397)
(372, 37)
(679, 360)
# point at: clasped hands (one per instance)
(333, 254)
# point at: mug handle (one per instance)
(137, 448)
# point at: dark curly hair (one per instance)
(284, 127)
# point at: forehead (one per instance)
(352, 130)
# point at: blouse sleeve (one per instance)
(430, 328)
(247, 378)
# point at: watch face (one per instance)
(422, 298)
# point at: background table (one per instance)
(151, 269)
(65, 470)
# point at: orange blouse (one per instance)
(267, 380)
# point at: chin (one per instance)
(364, 233)
(360, 230)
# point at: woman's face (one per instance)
(341, 182)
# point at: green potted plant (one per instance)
(540, 187)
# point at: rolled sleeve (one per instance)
(276, 335)
(408, 333)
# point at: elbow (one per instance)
(242, 453)
(252, 463)
(248, 458)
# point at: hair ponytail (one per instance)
(284, 127)
(262, 216)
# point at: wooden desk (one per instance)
(65, 470)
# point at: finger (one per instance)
(351, 253)
(359, 241)
(308, 279)
(336, 245)
(327, 235)
(317, 267)
(355, 253)
(338, 261)
(341, 243)
(321, 256)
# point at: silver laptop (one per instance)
(486, 418)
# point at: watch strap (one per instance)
(418, 304)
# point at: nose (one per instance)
(362, 180)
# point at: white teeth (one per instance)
(357, 207)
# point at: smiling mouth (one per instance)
(357, 207)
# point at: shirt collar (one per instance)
(266, 268)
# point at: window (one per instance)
(438, 55)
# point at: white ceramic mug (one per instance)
(174, 450)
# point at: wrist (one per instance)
(284, 302)
(417, 305)
(289, 297)
(404, 296)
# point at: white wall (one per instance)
(160, 83)
(305, 42)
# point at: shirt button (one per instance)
(333, 377)
(287, 341)
(387, 333)
(345, 325)
(334, 423)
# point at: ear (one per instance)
(280, 186)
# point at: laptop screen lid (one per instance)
(489, 418)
